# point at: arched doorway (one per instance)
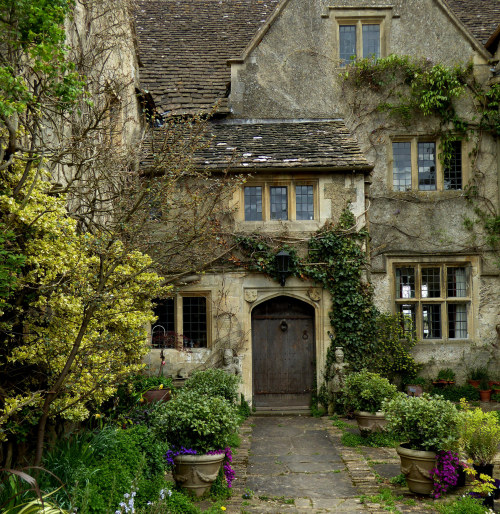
(283, 353)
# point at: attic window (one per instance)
(358, 39)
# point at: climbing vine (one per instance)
(409, 87)
(336, 260)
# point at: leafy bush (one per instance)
(98, 469)
(196, 421)
(366, 391)
(455, 393)
(477, 373)
(426, 422)
(214, 382)
(479, 434)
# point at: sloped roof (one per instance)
(481, 17)
(184, 46)
(275, 144)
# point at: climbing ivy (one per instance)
(336, 261)
(413, 87)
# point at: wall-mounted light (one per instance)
(283, 262)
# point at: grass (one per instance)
(384, 498)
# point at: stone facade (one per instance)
(289, 73)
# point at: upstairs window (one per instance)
(290, 200)
(358, 39)
(416, 166)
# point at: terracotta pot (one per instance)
(197, 472)
(156, 395)
(416, 465)
(369, 423)
(474, 383)
(485, 396)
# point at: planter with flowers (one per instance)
(198, 428)
(427, 424)
(365, 391)
(152, 389)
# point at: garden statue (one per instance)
(336, 383)
(231, 364)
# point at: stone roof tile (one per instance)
(481, 17)
(184, 46)
(271, 144)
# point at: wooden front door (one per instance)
(283, 353)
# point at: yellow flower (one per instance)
(141, 400)
(161, 386)
(97, 416)
(223, 508)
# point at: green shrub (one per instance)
(426, 422)
(365, 391)
(479, 434)
(214, 382)
(196, 421)
(99, 468)
(446, 374)
(455, 393)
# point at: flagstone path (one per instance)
(297, 464)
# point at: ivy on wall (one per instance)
(336, 261)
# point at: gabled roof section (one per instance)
(481, 17)
(184, 46)
(254, 145)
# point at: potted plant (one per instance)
(445, 377)
(484, 390)
(365, 391)
(475, 375)
(426, 424)
(198, 427)
(152, 388)
(479, 436)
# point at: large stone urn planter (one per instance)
(197, 472)
(156, 395)
(416, 465)
(368, 422)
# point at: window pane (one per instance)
(408, 318)
(371, 41)
(305, 202)
(453, 169)
(194, 321)
(431, 319)
(457, 282)
(401, 170)
(457, 321)
(279, 203)
(427, 166)
(253, 203)
(347, 36)
(431, 287)
(163, 330)
(405, 283)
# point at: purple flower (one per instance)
(445, 474)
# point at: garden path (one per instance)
(297, 464)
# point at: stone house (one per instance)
(315, 143)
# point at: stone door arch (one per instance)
(283, 353)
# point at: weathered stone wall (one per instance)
(293, 72)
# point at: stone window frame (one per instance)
(414, 140)
(291, 185)
(179, 316)
(359, 16)
(471, 264)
